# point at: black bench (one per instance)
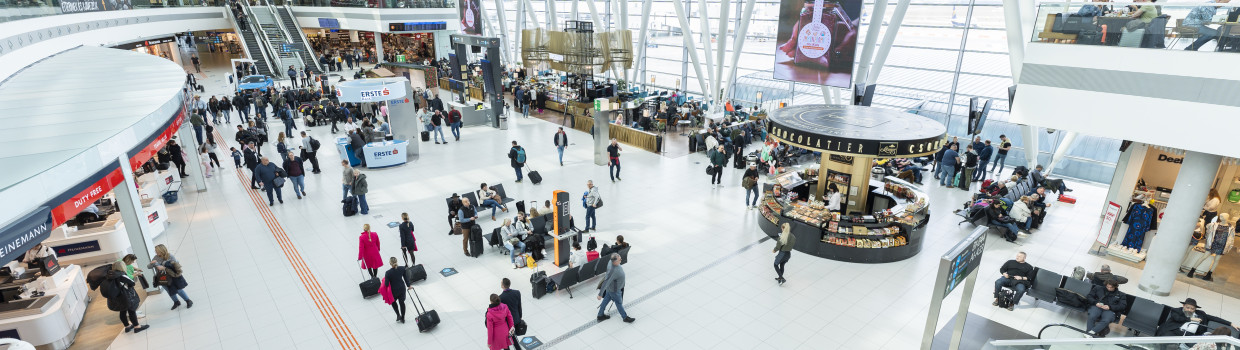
(473, 198)
(577, 274)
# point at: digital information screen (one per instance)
(963, 259)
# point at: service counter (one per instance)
(471, 116)
(378, 154)
(892, 230)
(91, 244)
(49, 321)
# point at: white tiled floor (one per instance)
(248, 296)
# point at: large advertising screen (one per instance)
(471, 17)
(817, 40)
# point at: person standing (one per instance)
(970, 165)
(292, 76)
(613, 160)
(783, 251)
(717, 160)
(310, 151)
(225, 107)
(197, 63)
(360, 187)
(592, 200)
(163, 262)
(525, 102)
(368, 251)
(454, 118)
(437, 120)
(1001, 155)
(397, 283)
(511, 298)
(947, 167)
(612, 290)
(242, 103)
(213, 106)
(561, 142)
(499, 324)
(408, 243)
(295, 167)
(175, 154)
(750, 182)
(117, 289)
(983, 157)
(267, 174)
(466, 217)
(517, 156)
(251, 162)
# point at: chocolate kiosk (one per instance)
(880, 220)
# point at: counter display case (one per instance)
(891, 231)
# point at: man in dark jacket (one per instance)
(174, 154)
(454, 119)
(251, 162)
(356, 141)
(717, 160)
(995, 215)
(267, 172)
(1189, 312)
(561, 142)
(437, 121)
(1016, 274)
(512, 298)
(1106, 303)
(516, 155)
(983, 156)
(1104, 274)
(242, 102)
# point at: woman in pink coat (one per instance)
(368, 251)
(499, 325)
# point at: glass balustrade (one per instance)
(13, 10)
(1197, 26)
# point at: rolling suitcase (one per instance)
(427, 319)
(535, 177)
(475, 241)
(370, 287)
(415, 273)
(426, 136)
(539, 282)
(1067, 198)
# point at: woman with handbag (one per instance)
(500, 325)
(368, 251)
(408, 243)
(168, 274)
(118, 290)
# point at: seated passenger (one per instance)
(1198, 18)
(1188, 320)
(1041, 180)
(1104, 274)
(1016, 274)
(513, 234)
(996, 216)
(1106, 303)
(578, 257)
(488, 198)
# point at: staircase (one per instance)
(298, 37)
(252, 46)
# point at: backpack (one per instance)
(108, 289)
(1069, 298)
(1005, 299)
(521, 155)
(314, 144)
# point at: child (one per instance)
(236, 155)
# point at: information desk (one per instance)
(385, 154)
(50, 321)
(346, 151)
(469, 115)
(891, 231)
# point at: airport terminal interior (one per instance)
(777, 174)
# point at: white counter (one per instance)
(57, 325)
(385, 154)
(103, 242)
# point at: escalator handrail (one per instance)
(264, 43)
(1078, 330)
(304, 42)
(243, 43)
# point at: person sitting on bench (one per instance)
(578, 257)
(488, 198)
(1104, 274)
(1056, 185)
(1188, 319)
(996, 216)
(513, 235)
(1106, 303)
(1016, 274)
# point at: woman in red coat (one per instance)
(499, 325)
(368, 251)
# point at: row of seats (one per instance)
(473, 199)
(577, 274)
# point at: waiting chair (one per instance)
(587, 271)
(600, 266)
(1180, 31)
(568, 279)
(1080, 287)
(624, 255)
(1045, 282)
(1144, 316)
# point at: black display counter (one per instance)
(893, 230)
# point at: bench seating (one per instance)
(577, 274)
(473, 199)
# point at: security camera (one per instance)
(1050, 131)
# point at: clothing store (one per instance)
(1144, 179)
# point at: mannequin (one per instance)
(1193, 253)
(1141, 218)
(1218, 240)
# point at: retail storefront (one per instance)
(1143, 182)
(880, 219)
(165, 47)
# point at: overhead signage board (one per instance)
(372, 90)
(79, 6)
(22, 234)
(417, 26)
(329, 23)
(816, 41)
(145, 43)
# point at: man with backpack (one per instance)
(310, 151)
(117, 288)
(517, 155)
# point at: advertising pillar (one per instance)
(601, 134)
(130, 206)
(560, 225)
(403, 119)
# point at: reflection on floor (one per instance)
(692, 283)
(978, 331)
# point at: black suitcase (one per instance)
(370, 287)
(427, 319)
(539, 285)
(426, 136)
(535, 177)
(350, 205)
(475, 248)
(415, 273)
(520, 206)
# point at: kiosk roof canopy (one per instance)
(857, 130)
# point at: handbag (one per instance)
(279, 182)
(598, 203)
(748, 183)
(520, 327)
(710, 170)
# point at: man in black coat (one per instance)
(356, 142)
(511, 298)
(267, 172)
(1188, 312)
(251, 162)
(1106, 303)
(174, 154)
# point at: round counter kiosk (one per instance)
(881, 220)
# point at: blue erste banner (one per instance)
(78, 6)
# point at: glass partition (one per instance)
(1200, 26)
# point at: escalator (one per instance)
(272, 34)
(255, 49)
(1066, 337)
(297, 36)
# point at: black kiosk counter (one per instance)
(880, 220)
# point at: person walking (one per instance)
(197, 63)
(164, 263)
(517, 156)
(783, 251)
(1001, 155)
(397, 282)
(213, 106)
(295, 167)
(242, 103)
(310, 151)
(260, 106)
(611, 290)
(251, 162)
(286, 116)
(749, 181)
(512, 298)
(561, 142)
(118, 290)
(454, 118)
(368, 251)
(613, 160)
(267, 172)
(592, 202)
(437, 120)
(717, 160)
(292, 76)
(225, 107)
(359, 188)
(500, 325)
(408, 243)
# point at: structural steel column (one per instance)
(689, 46)
(724, 15)
(710, 61)
(193, 164)
(1031, 145)
(129, 203)
(889, 37)
(1061, 150)
(742, 31)
(598, 23)
(552, 19)
(642, 41)
(1015, 38)
(1176, 229)
(871, 38)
